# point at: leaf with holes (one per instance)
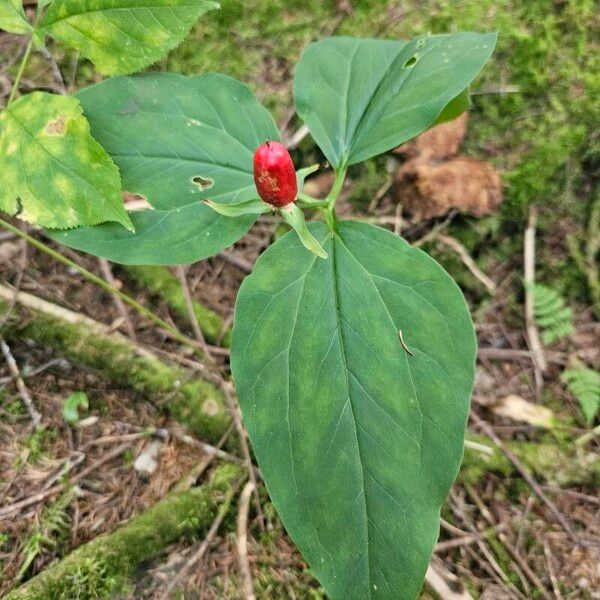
(54, 174)
(122, 36)
(12, 17)
(362, 97)
(178, 141)
(354, 375)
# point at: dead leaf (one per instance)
(518, 409)
(439, 142)
(465, 184)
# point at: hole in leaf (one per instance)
(410, 62)
(134, 201)
(203, 183)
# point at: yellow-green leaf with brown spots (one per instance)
(12, 17)
(123, 36)
(54, 173)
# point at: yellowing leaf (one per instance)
(54, 173)
(12, 17)
(123, 36)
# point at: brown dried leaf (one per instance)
(465, 184)
(437, 143)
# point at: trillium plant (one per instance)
(352, 352)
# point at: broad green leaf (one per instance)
(294, 217)
(122, 36)
(358, 436)
(178, 141)
(72, 405)
(54, 173)
(454, 108)
(362, 97)
(12, 17)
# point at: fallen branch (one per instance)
(198, 555)
(194, 402)
(163, 284)
(110, 560)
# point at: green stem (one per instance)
(310, 202)
(17, 80)
(338, 184)
(180, 337)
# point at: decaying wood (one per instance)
(193, 401)
(116, 555)
(160, 282)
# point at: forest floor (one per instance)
(523, 519)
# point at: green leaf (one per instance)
(294, 217)
(12, 17)
(454, 108)
(249, 207)
(122, 36)
(177, 141)
(362, 97)
(72, 405)
(54, 173)
(302, 174)
(358, 436)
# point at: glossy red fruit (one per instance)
(274, 174)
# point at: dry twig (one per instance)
(242, 540)
(119, 304)
(464, 255)
(189, 306)
(535, 486)
(198, 555)
(36, 417)
(533, 336)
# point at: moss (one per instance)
(160, 282)
(109, 562)
(196, 403)
(548, 461)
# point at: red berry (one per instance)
(274, 174)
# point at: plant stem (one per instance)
(338, 184)
(17, 80)
(180, 337)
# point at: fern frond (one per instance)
(551, 315)
(46, 535)
(584, 384)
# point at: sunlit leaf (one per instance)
(54, 174)
(122, 36)
(12, 17)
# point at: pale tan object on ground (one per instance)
(465, 184)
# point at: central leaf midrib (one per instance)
(336, 298)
